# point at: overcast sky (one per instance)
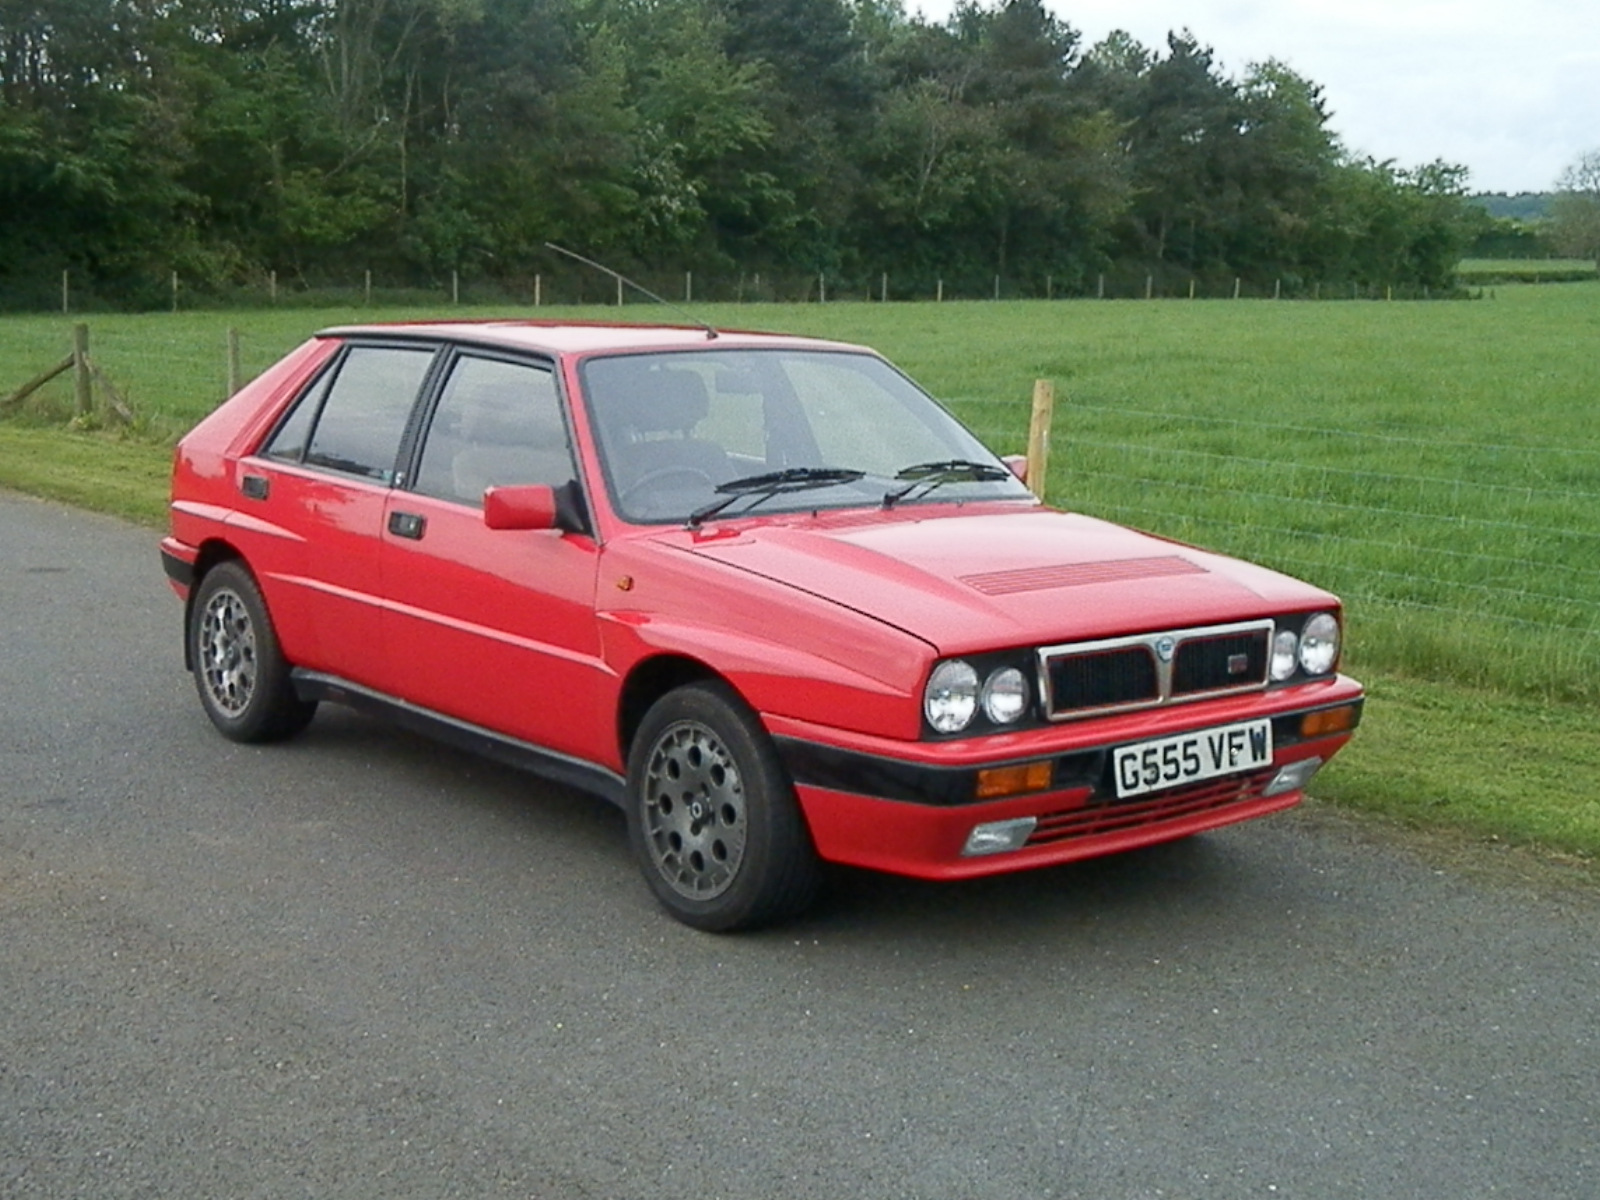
(1508, 88)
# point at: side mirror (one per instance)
(526, 506)
(1018, 464)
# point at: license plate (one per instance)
(1192, 757)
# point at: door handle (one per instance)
(407, 525)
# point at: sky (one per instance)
(1510, 90)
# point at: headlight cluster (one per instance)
(1313, 649)
(956, 694)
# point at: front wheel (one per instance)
(713, 817)
(239, 671)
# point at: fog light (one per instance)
(1293, 778)
(997, 837)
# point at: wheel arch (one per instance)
(212, 552)
(652, 679)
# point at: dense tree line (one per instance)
(228, 138)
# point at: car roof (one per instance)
(582, 337)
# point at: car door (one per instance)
(320, 487)
(494, 627)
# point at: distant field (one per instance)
(1479, 271)
(1436, 464)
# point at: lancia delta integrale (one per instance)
(763, 592)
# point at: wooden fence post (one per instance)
(66, 305)
(1044, 403)
(82, 382)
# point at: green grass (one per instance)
(1436, 464)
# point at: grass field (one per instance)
(1437, 464)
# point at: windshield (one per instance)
(690, 434)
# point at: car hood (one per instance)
(964, 580)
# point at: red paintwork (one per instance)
(827, 624)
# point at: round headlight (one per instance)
(950, 700)
(1005, 695)
(1285, 654)
(1319, 644)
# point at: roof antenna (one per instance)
(711, 333)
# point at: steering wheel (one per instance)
(660, 473)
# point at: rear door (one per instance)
(322, 481)
(495, 627)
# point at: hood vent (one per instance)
(1038, 579)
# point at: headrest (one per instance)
(658, 400)
(511, 415)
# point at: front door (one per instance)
(494, 627)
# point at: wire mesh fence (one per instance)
(566, 284)
(1478, 561)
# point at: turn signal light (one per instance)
(1329, 720)
(997, 782)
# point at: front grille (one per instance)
(1149, 670)
(1104, 679)
(1181, 802)
(1209, 664)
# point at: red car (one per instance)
(761, 591)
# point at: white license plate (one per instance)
(1192, 757)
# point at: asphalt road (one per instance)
(362, 965)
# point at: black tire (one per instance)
(239, 670)
(713, 817)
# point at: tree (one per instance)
(1575, 210)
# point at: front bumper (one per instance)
(910, 809)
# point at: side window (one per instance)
(356, 419)
(497, 423)
(289, 442)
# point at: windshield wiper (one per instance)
(930, 475)
(759, 488)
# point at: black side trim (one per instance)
(177, 569)
(547, 764)
(891, 779)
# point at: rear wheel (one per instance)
(713, 817)
(239, 670)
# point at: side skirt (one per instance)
(547, 764)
